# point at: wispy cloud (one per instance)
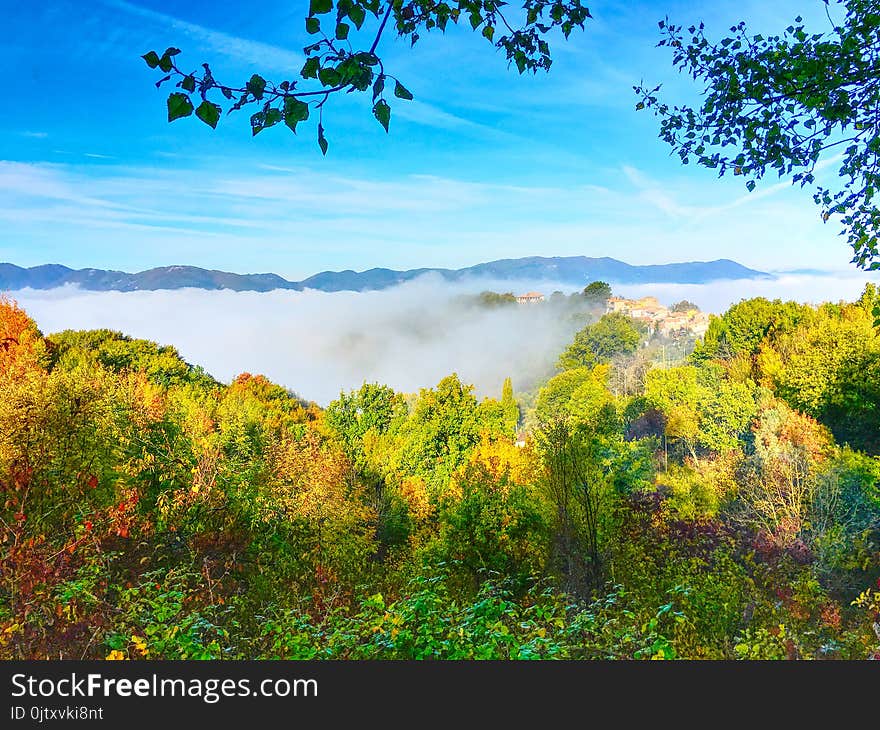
(663, 196)
(34, 135)
(420, 112)
(657, 195)
(41, 182)
(234, 47)
(299, 219)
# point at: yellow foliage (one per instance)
(739, 368)
(770, 366)
(313, 484)
(502, 461)
(698, 488)
(415, 493)
(140, 643)
(681, 422)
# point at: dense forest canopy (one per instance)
(719, 500)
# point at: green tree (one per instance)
(829, 368)
(685, 306)
(614, 334)
(444, 425)
(492, 299)
(702, 409)
(355, 414)
(344, 57)
(580, 393)
(494, 526)
(365, 416)
(510, 406)
(742, 328)
(118, 352)
(781, 103)
(597, 292)
(726, 411)
(578, 486)
(675, 392)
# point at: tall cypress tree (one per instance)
(509, 406)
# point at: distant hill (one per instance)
(573, 270)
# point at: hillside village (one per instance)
(657, 317)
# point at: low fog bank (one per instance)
(408, 337)
(318, 343)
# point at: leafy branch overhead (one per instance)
(344, 58)
(784, 102)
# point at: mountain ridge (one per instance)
(576, 270)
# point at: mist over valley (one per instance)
(407, 336)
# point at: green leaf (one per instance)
(310, 68)
(401, 92)
(152, 59)
(257, 121)
(171, 52)
(313, 25)
(319, 7)
(295, 111)
(342, 31)
(382, 112)
(489, 32)
(370, 59)
(357, 16)
(165, 64)
(257, 85)
(322, 141)
(750, 185)
(378, 86)
(188, 84)
(328, 76)
(209, 113)
(179, 106)
(273, 116)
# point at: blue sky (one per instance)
(484, 164)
